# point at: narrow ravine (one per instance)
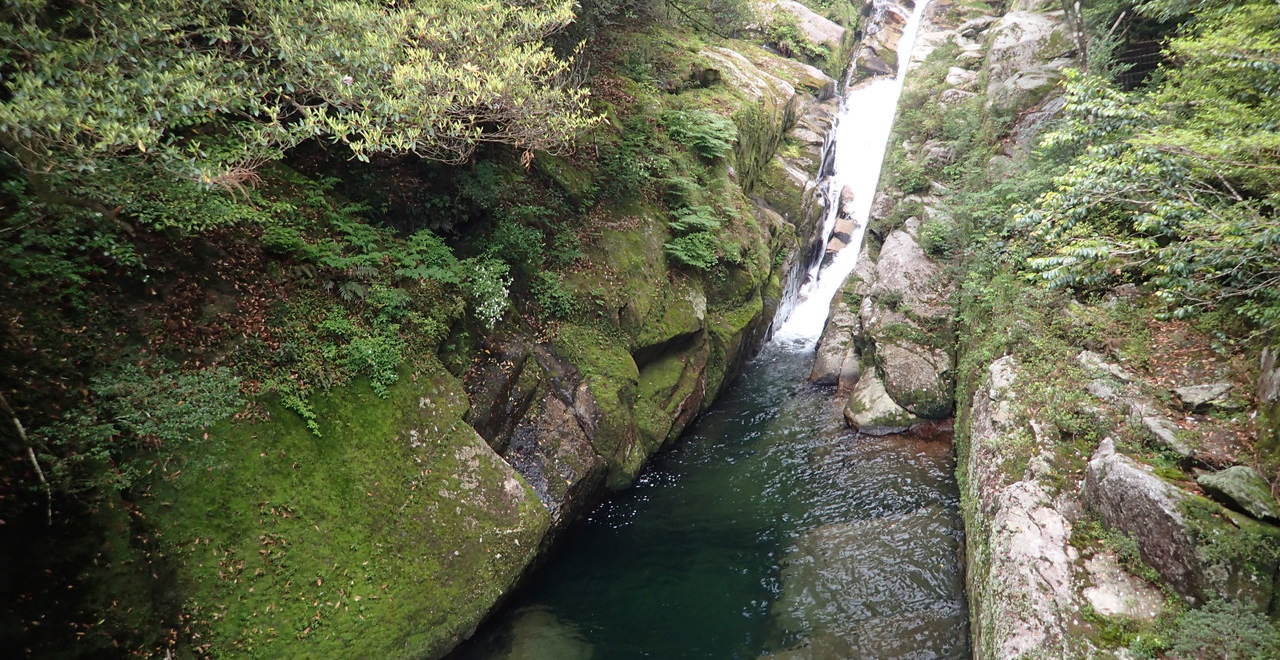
(770, 529)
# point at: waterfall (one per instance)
(861, 137)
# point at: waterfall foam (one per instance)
(861, 138)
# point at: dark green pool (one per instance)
(769, 530)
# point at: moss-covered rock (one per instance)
(391, 535)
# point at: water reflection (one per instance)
(769, 530)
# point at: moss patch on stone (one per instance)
(611, 376)
(389, 537)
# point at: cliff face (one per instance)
(1094, 442)
(395, 531)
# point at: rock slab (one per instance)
(1242, 488)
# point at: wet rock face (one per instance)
(901, 319)
(871, 410)
(836, 362)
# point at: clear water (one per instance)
(770, 528)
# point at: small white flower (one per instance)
(347, 80)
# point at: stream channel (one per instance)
(770, 529)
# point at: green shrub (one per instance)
(486, 283)
(552, 298)
(1225, 630)
(786, 36)
(517, 245)
(938, 238)
(699, 250)
(565, 249)
(707, 133)
(696, 242)
(133, 414)
(910, 177)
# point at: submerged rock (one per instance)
(536, 633)
(1242, 488)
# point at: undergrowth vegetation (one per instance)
(214, 259)
(1145, 209)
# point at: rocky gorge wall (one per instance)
(1106, 460)
(396, 530)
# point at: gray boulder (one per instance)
(1243, 489)
(905, 318)
(1130, 498)
(836, 362)
(818, 28)
(1193, 543)
(1028, 51)
(870, 409)
(1201, 398)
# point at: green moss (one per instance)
(680, 312)
(727, 329)
(575, 180)
(782, 194)
(611, 376)
(665, 385)
(390, 536)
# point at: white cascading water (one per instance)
(861, 137)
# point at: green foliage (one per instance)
(707, 133)
(721, 17)
(1177, 187)
(699, 250)
(551, 296)
(696, 242)
(135, 414)
(517, 245)
(783, 31)
(151, 105)
(1254, 547)
(486, 282)
(910, 177)
(1225, 630)
(938, 238)
(565, 249)
(627, 167)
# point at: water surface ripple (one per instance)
(769, 530)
